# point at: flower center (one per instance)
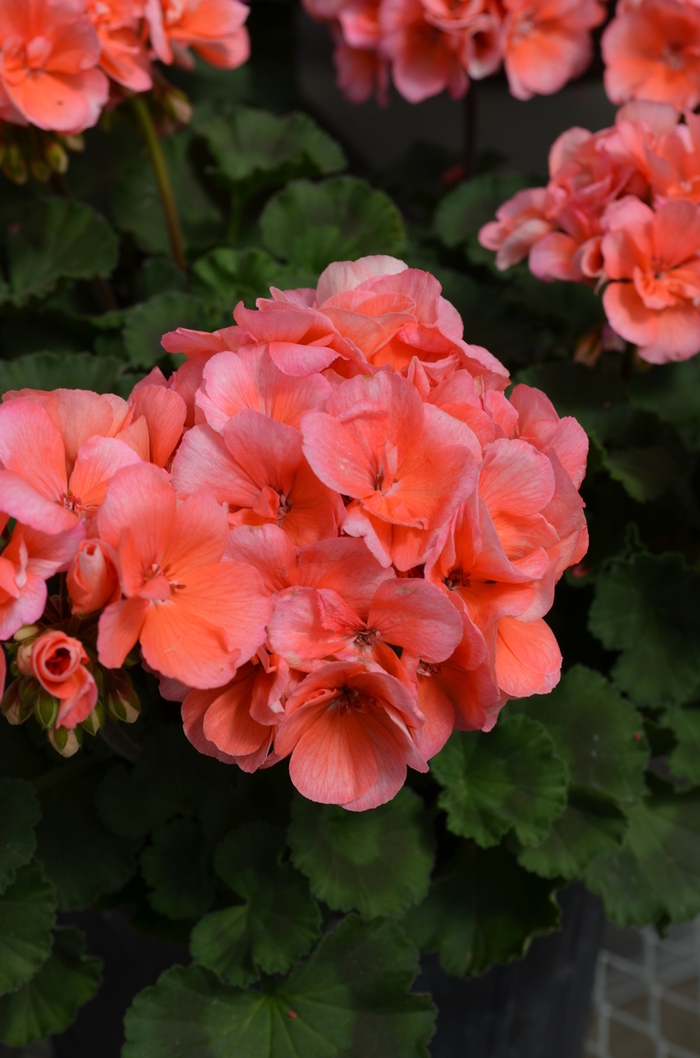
(425, 669)
(672, 55)
(456, 579)
(58, 662)
(350, 698)
(367, 636)
(71, 502)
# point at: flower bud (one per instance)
(45, 706)
(59, 662)
(178, 106)
(92, 578)
(122, 701)
(14, 165)
(41, 170)
(75, 142)
(66, 742)
(56, 156)
(26, 632)
(94, 721)
(23, 659)
(14, 709)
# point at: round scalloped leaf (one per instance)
(27, 912)
(510, 777)
(684, 760)
(56, 239)
(225, 276)
(176, 866)
(61, 370)
(591, 824)
(378, 862)
(350, 998)
(656, 873)
(596, 732)
(649, 608)
(20, 814)
(310, 225)
(147, 323)
(671, 391)
(485, 910)
(280, 920)
(49, 1002)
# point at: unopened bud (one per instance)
(26, 632)
(24, 659)
(178, 106)
(14, 165)
(75, 142)
(57, 157)
(66, 742)
(14, 709)
(41, 170)
(95, 720)
(122, 700)
(45, 705)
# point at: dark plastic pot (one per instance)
(536, 1007)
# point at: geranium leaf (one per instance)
(378, 862)
(470, 205)
(27, 912)
(57, 239)
(310, 225)
(649, 608)
(20, 814)
(671, 391)
(136, 207)
(485, 909)
(176, 866)
(49, 1002)
(147, 323)
(224, 276)
(684, 760)
(657, 871)
(596, 733)
(509, 777)
(55, 370)
(254, 149)
(81, 857)
(350, 998)
(591, 824)
(597, 399)
(280, 919)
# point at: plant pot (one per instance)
(536, 1007)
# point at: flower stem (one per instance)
(160, 171)
(469, 130)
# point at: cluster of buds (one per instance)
(60, 683)
(31, 150)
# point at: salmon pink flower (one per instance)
(93, 577)
(123, 56)
(29, 559)
(348, 730)
(520, 223)
(49, 53)
(547, 43)
(651, 51)
(197, 619)
(58, 662)
(653, 260)
(424, 60)
(259, 470)
(213, 28)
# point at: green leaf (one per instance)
(486, 909)
(656, 873)
(310, 225)
(176, 866)
(508, 777)
(596, 733)
(224, 276)
(649, 608)
(57, 239)
(671, 391)
(49, 1002)
(590, 825)
(278, 923)
(82, 859)
(20, 813)
(596, 399)
(147, 323)
(645, 473)
(170, 778)
(27, 912)
(136, 206)
(255, 149)
(54, 371)
(378, 862)
(350, 998)
(464, 210)
(684, 761)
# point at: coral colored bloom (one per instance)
(58, 662)
(51, 478)
(213, 28)
(651, 51)
(424, 60)
(653, 259)
(29, 559)
(348, 730)
(547, 43)
(196, 618)
(93, 577)
(123, 57)
(49, 53)
(520, 222)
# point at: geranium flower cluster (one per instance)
(621, 209)
(330, 533)
(428, 46)
(61, 60)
